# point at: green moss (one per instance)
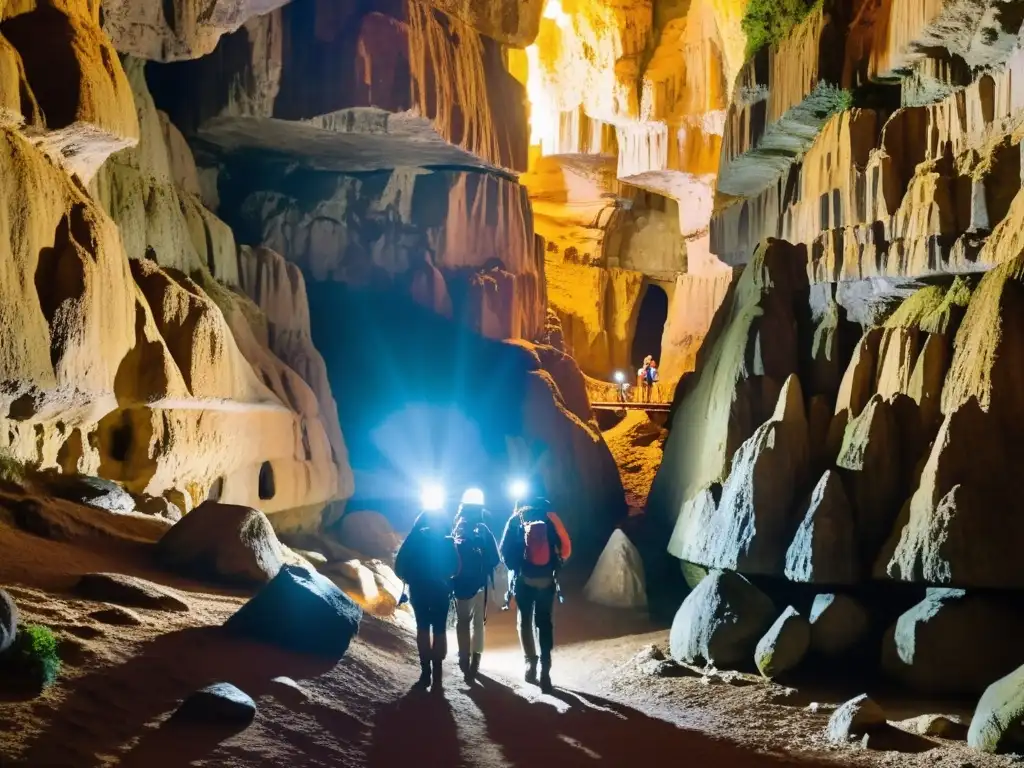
(933, 308)
(34, 654)
(767, 22)
(11, 470)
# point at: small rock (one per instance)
(158, 506)
(943, 726)
(225, 542)
(784, 644)
(288, 691)
(720, 621)
(8, 620)
(91, 491)
(649, 653)
(838, 624)
(820, 708)
(300, 610)
(316, 558)
(998, 722)
(218, 703)
(121, 589)
(117, 616)
(854, 718)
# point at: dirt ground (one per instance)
(120, 684)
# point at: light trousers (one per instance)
(470, 615)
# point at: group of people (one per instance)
(443, 563)
(647, 378)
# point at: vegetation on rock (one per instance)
(768, 21)
(34, 655)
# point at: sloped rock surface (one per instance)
(224, 542)
(953, 642)
(368, 533)
(998, 721)
(721, 621)
(824, 549)
(618, 578)
(749, 529)
(122, 589)
(302, 611)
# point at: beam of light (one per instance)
(432, 496)
(473, 496)
(517, 489)
(620, 376)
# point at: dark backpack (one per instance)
(473, 575)
(422, 559)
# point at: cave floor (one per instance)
(120, 684)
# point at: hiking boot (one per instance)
(424, 681)
(531, 670)
(464, 664)
(545, 675)
(438, 685)
(474, 668)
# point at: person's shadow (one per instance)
(418, 729)
(587, 728)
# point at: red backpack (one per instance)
(538, 544)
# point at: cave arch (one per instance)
(650, 325)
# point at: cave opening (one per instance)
(650, 325)
(266, 481)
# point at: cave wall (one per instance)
(136, 351)
(860, 373)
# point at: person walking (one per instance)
(643, 379)
(652, 380)
(478, 555)
(534, 546)
(426, 562)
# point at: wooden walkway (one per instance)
(617, 406)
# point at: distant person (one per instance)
(534, 547)
(478, 555)
(652, 379)
(643, 379)
(427, 561)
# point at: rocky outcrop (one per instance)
(618, 578)
(824, 549)
(409, 86)
(8, 620)
(838, 624)
(737, 383)
(459, 243)
(73, 91)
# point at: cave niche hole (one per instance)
(650, 325)
(266, 481)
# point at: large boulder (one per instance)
(998, 722)
(721, 621)
(8, 620)
(824, 549)
(749, 529)
(838, 624)
(121, 589)
(369, 533)
(954, 643)
(224, 542)
(784, 644)
(618, 577)
(302, 611)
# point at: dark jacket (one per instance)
(427, 561)
(513, 539)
